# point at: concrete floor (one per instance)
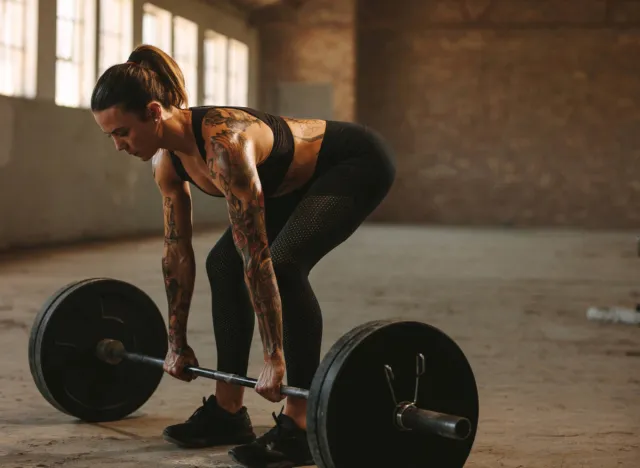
(556, 390)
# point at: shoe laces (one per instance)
(201, 413)
(274, 433)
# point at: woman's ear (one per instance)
(154, 111)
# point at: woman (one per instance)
(294, 189)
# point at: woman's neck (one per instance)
(176, 130)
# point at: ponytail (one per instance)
(167, 70)
(150, 74)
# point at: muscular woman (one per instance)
(294, 190)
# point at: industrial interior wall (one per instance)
(505, 112)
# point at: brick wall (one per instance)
(313, 43)
(508, 112)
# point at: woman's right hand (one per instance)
(177, 360)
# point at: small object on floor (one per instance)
(614, 315)
(388, 393)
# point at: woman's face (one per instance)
(138, 137)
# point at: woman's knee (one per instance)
(289, 271)
(223, 262)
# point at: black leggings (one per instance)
(355, 171)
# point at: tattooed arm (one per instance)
(232, 165)
(178, 262)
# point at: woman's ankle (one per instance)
(229, 397)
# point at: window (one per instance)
(75, 52)
(116, 32)
(226, 71)
(185, 53)
(18, 54)
(238, 73)
(156, 27)
(215, 69)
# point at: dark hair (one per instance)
(150, 74)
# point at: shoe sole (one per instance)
(219, 443)
(275, 464)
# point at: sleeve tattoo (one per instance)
(238, 179)
(178, 270)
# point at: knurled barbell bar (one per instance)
(90, 338)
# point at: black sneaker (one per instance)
(210, 425)
(284, 446)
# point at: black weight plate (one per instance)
(353, 416)
(63, 341)
(316, 417)
(38, 321)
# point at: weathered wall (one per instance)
(514, 112)
(62, 180)
(313, 43)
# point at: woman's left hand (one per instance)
(270, 379)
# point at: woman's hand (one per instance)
(177, 360)
(270, 379)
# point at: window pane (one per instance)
(185, 53)
(76, 52)
(238, 72)
(6, 72)
(215, 62)
(17, 60)
(115, 24)
(115, 32)
(156, 27)
(16, 51)
(65, 39)
(149, 29)
(106, 15)
(5, 24)
(78, 42)
(209, 50)
(112, 53)
(67, 84)
(67, 9)
(15, 17)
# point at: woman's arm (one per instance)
(231, 161)
(178, 262)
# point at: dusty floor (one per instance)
(556, 390)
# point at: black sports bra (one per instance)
(271, 171)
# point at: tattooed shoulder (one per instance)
(231, 119)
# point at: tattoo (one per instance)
(178, 270)
(212, 168)
(239, 182)
(234, 120)
(306, 130)
(171, 233)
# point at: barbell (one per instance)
(97, 348)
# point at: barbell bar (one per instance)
(407, 415)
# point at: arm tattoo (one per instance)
(178, 270)
(240, 183)
(171, 233)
